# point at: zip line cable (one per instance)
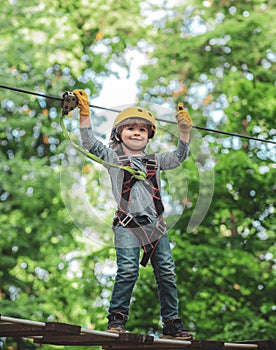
(161, 120)
(51, 97)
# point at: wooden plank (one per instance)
(96, 339)
(24, 330)
(18, 330)
(136, 338)
(57, 333)
(64, 328)
(66, 340)
(207, 344)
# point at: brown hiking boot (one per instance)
(174, 329)
(116, 323)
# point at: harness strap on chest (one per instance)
(148, 239)
(151, 176)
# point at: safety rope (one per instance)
(161, 120)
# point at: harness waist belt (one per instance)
(125, 219)
(148, 236)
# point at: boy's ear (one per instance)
(117, 136)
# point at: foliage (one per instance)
(48, 264)
(219, 58)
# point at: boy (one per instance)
(139, 222)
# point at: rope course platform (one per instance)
(56, 333)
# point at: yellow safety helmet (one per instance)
(136, 112)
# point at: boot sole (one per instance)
(116, 330)
(190, 337)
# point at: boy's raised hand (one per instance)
(183, 118)
(83, 102)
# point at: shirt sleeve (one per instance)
(93, 145)
(171, 160)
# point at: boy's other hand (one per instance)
(183, 118)
(83, 102)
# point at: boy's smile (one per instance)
(134, 138)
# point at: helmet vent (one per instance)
(140, 110)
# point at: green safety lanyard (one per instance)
(139, 175)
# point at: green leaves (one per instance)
(46, 258)
(219, 60)
(221, 265)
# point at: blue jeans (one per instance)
(128, 255)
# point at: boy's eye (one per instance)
(142, 129)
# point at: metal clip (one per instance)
(123, 158)
(151, 167)
(152, 162)
(161, 226)
(69, 102)
(126, 220)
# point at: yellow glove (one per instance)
(183, 118)
(83, 102)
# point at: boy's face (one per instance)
(135, 136)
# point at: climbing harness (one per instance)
(148, 235)
(148, 240)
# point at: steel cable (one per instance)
(161, 120)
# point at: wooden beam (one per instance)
(57, 333)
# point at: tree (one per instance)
(219, 58)
(47, 263)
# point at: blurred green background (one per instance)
(219, 58)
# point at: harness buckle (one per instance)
(151, 166)
(161, 226)
(123, 158)
(126, 220)
(152, 162)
